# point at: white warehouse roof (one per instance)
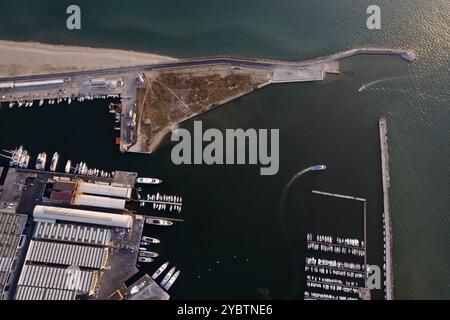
(101, 202)
(46, 213)
(104, 190)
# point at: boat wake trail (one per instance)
(370, 84)
(288, 185)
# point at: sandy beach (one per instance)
(27, 58)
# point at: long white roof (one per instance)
(104, 190)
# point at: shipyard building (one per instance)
(66, 237)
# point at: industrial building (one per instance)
(53, 214)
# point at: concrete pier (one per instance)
(387, 211)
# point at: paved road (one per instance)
(241, 62)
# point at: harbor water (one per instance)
(235, 242)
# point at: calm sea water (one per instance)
(234, 243)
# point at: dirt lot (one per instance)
(170, 97)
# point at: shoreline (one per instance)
(35, 58)
(387, 217)
(21, 59)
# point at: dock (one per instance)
(346, 197)
(387, 210)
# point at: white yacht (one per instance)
(172, 280)
(160, 270)
(168, 276)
